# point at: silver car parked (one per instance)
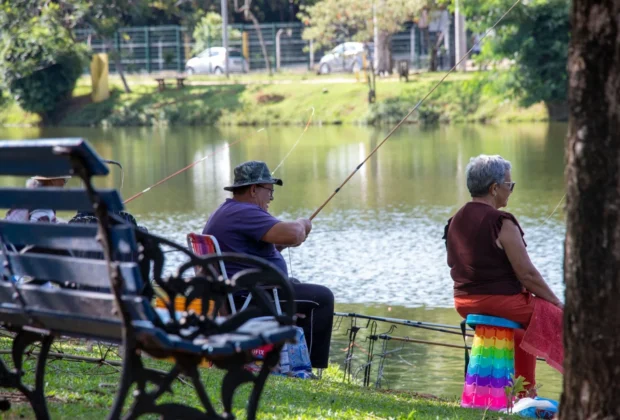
(346, 57)
(211, 60)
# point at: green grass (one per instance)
(283, 99)
(85, 390)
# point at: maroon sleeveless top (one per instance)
(477, 265)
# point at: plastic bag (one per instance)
(294, 358)
(537, 408)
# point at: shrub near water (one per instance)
(40, 63)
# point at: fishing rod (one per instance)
(417, 341)
(397, 126)
(212, 154)
(397, 321)
(191, 165)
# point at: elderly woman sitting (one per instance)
(490, 266)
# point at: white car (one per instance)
(211, 60)
(345, 57)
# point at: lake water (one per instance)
(377, 244)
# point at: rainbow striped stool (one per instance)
(491, 362)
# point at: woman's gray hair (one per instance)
(483, 171)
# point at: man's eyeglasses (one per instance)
(268, 189)
(511, 185)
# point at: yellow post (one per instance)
(245, 46)
(99, 77)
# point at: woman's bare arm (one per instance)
(512, 242)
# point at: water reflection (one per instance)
(378, 240)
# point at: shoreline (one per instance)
(287, 100)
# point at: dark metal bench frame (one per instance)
(26, 309)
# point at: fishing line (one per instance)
(290, 260)
(397, 126)
(551, 215)
(191, 165)
(295, 145)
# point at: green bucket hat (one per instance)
(252, 172)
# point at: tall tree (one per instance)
(592, 259)
(329, 22)
(536, 35)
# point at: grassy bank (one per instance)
(288, 99)
(85, 390)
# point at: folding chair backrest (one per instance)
(206, 245)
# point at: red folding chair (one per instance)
(206, 245)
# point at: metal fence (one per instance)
(167, 48)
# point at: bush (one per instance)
(389, 112)
(44, 90)
(40, 64)
(175, 114)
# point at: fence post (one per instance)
(412, 44)
(273, 32)
(179, 63)
(117, 47)
(147, 41)
(311, 55)
(160, 56)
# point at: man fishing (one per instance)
(242, 224)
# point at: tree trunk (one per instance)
(384, 59)
(260, 41)
(119, 67)
(557, 110)
(432, 62)
(592, 248)
(248, 15)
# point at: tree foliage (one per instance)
(39, 60)
(332, 21)
(208, 32)
(536, 36)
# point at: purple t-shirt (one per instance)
(239, 227)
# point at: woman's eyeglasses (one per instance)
(511, 185)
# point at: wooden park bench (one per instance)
(47, 292)
(161, 83)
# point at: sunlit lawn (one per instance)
(86, 390)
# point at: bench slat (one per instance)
(59, 199)
(68, 312)
(91, 315)
(79, 237)
(81, 271)
(38, 157)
